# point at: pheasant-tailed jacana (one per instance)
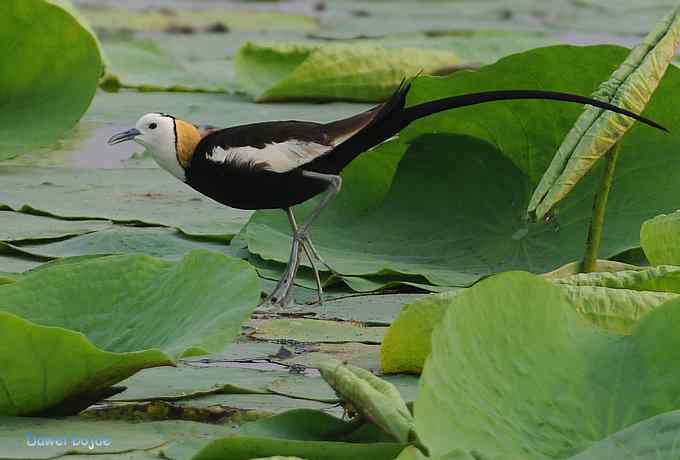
(278, 164)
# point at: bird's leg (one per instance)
(280, 296)
(308, 252)
(334, 185)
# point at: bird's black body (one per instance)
(252, 186)
(246, 188)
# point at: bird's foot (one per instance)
(280, 298)
(271, 306)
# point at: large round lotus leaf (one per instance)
(454, 214)
(48, 367)
(157, 242)
(46, 84)
(515, 371)
(356, 72)
(450, 228)
(133, 302)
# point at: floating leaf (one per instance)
(660, 239)
(357, 72)
(140, 195)
(164, 19)
(157, 242)
(191, 381)
(47, 367)
(247, 448)
(147, 66)
(46, 84)
(375, 399)
(312, 330)
(596, 131)
(492, 384)
(308, 425)
(15, 226)
(133, 302)
(170, 439)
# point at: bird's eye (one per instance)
(153, 126)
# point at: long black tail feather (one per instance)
(392, 116)
(454, 102)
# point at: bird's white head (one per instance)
(171, 141)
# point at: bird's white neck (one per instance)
(165, 155)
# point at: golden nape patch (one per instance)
(187, 140)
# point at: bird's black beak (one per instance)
(124, 136)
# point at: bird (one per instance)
(279, 164)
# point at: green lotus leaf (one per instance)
(169, 439)
(157, 242)
(133, 302)
(312, 330)
(659, 238)
(407, 343)
(596, 130)
(656, 438)
(25, 228)
(375, 399)
(357, 72)
(47, 85)
(614, 309)
(492, 384)
(413, 453)
(279, 457)
(661, 279)
(146, 65)
(615, 301)
(573, 268)
(246, 448)
(45, 368)
(140, 195)
(454, 228)
(188, 381)
(311, 425)
(165, 19)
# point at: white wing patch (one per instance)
(277, 157)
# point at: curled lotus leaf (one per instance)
(596, 131)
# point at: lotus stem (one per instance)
(589, 263)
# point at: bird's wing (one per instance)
(278, 146)
(277, 157)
